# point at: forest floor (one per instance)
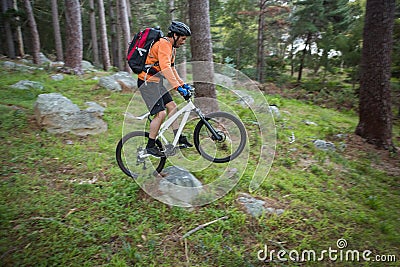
(65, 202)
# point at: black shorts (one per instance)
(155, 95)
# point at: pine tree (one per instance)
(105, 54)
(201, 48)
(57, 32)
(74, 45)
(375, 124)
(34, 32)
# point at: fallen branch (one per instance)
(187, 254)
(203, 226)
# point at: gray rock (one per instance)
(43, 59)
(57, 114)
(57, 77)
(128, 83)
(86, 65)
(324, 145)
(14, 66)
(122, 75)
(275, 111)
(27, 85)
(125, 79)
(307, 122)
(180, 185)
(9, 64)
(110, 84)
(279, 211)
(341, 136)
(256, 207)
(26, 61)
(95, 108)
(56, 65)
(270, 210)
(118, 81)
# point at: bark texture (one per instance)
(74, 45)
(375, 124)
(34, 32)
(201, 47)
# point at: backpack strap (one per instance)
(148, 67)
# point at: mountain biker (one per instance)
(161, 58)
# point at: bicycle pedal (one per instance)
(182, 146)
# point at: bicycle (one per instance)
(218, 137)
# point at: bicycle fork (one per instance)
(215, 135)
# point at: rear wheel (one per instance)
(232, 133)
(129, 154)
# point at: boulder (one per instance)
(44, 59)
(86, 65)
(125, 80)
(257, 207)
(57, 77)
(324, 145)
(57, 114)
(180, 186)
(110, 84)
(118, 81)
(275, 111)
(19, 67)
(95, 108)
(27, 85)
(56, 65)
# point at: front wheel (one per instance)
(232, 133)
(129, 153)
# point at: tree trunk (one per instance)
(201, 46)
(181, 67)
(93, 32)
(20, 41)
(74, 47)
(260, 42)
(34, 33)
(57, 32)
(375, 124)
(119, 37)
(8, 30)
(105, 54)
(114, 36)
(129, 11)
(126, 32)
(292, 59)
(303, 57)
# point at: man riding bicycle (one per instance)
(161, 58)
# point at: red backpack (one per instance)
(139, 48)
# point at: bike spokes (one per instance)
(231, 137)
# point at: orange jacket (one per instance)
(163, 53)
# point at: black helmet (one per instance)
(180, 28)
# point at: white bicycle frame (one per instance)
(189, 107)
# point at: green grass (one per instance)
(49, 218)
